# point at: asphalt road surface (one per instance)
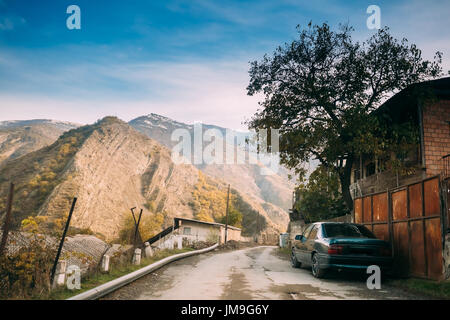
(252, 273)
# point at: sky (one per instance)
(187, 60)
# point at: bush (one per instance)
(234, 218)
(150, 225)
(26, 272)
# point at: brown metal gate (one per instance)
(411, 219)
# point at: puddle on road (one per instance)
(237, 288)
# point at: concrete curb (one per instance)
(115, 284)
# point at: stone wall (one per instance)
(85, 251)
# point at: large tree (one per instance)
(319, 198)
(320, 89)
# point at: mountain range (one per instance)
(112, 165)
(18, 138)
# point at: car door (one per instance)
(309, 244)
(300, 245)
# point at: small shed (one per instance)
(195, 230)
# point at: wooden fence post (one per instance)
(7, 219)
(61, 243)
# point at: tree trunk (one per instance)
(344, 177)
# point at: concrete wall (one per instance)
(436, 132)
(233, 234)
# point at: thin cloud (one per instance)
(11, 22)
(212, 92)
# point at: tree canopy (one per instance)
(320, 89)
(319, 198)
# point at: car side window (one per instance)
(306, 232)
(313, 234)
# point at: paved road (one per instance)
(252, 273)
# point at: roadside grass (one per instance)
(436, 289)
(285, 251)
(99, 278)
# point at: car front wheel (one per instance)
(315, 267)
(294, 262)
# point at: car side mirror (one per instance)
(299, 237)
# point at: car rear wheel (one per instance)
(315, 267)
(294, 262)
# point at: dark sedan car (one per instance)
(334, 245)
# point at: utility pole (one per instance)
(61, 243)
(226, 224)
(7, 219)
(257, 228)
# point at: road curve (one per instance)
(251, 273)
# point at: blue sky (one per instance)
(187, 60)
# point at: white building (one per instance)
(195, 230)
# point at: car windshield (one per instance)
(333, 230)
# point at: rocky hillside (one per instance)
(271, 194)
(18, 138)
(110, 167)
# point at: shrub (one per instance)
(149, 225)
(26, 272)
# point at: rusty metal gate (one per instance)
(411, 219)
